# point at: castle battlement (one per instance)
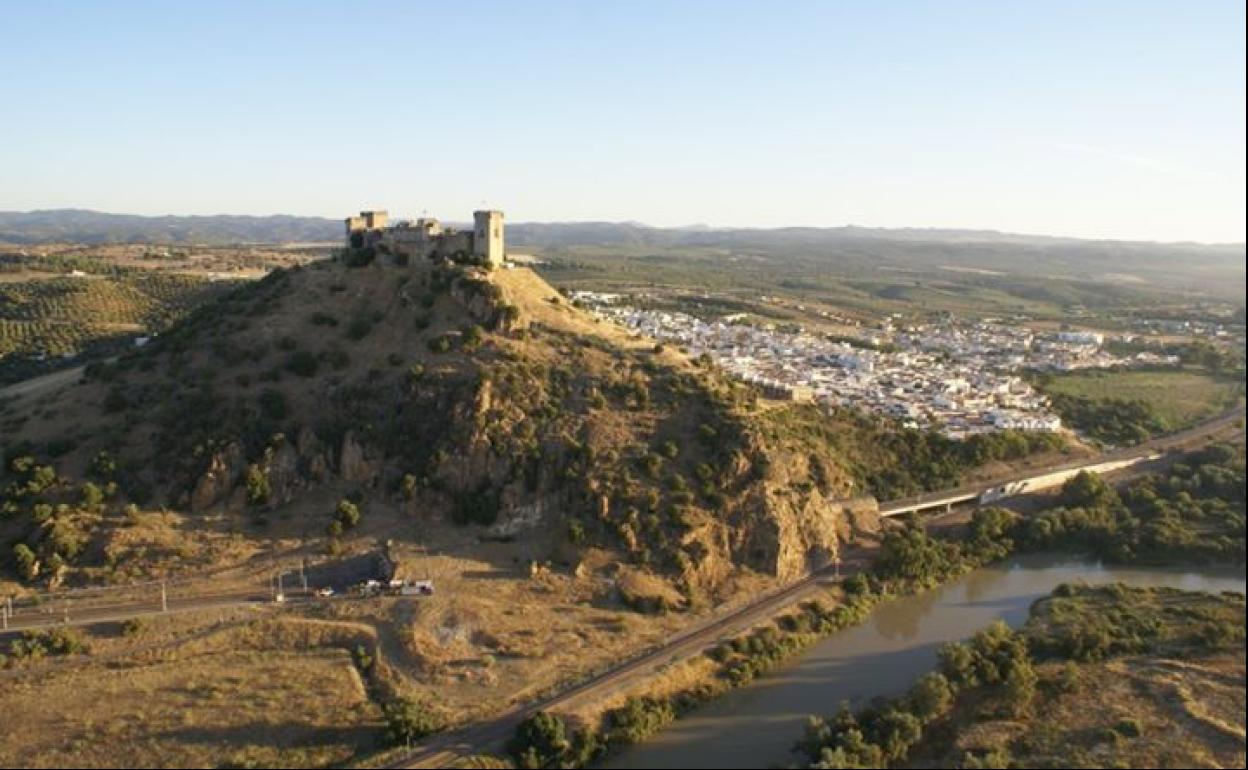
(426, 238)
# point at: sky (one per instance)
(1099, 119)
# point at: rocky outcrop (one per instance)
(285, 479)
(225, 469)
(520, 518)
(354, 464)
(486, 303)
(312, 455)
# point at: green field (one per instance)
(1178, 398)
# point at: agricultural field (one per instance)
(63, 317)
(71, 304)
(860, 282)
(1122, 407)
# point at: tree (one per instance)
(103, 466)
(539, 741)
(992, 525)
(1020, 688)
(408, 485)
(257, 483)
(347, 513)
(273, 404)
(896, 732)
(1087, 490)
(27, 561)
(302, 363)
(472, 337)
(931, 696)
(408, 720)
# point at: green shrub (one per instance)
(257, 485)
(273, 404)
(27, 562)
(359, 328)
(347, 514)
(440, 344)
(638, 719)
(408, 720)
(302, 363)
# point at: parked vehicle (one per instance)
(417, 588)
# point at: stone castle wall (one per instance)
(426, 240)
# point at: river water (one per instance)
(757, 725)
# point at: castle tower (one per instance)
(375, 220)
(487, 240)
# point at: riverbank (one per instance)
(758, 725)
(1106, 676)
(1200, 495)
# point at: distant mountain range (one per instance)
(1176, 264)
(84, 226)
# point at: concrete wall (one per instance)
(1055, 479)
(992, 494)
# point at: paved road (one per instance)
(59, 613)
(83, 607)
(1179, 440)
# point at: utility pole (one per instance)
(4, 617)
(164, 597)
(303, 575)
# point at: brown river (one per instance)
(757, 725)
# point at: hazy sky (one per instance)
(1103, 119)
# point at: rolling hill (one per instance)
(1212, 268)
(463, 400)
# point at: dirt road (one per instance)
(43, 383)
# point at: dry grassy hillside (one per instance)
(473, 403)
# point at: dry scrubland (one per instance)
(319, 381)
(257, 688)
(517, 613)
(1124, 678)
(552, 474)
(211, 690)
(1135, 712)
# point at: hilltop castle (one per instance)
(427, 239)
